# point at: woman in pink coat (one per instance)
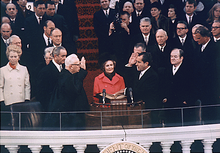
(108, 80)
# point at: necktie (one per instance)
(161, 49)
(190, 20)
(138, 14)
(61, 68)
(48, 41)
(145, 39)
(40, 19)
(182, 41)
(106, 13)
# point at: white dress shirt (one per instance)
(187, 17)
(182, 40)
(204, 46)
(59, 67)
(175, 69)
(46, 39)
(142, 72)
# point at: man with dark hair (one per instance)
(120, 41)
(184, 41)
(177, 89)
(48, 27)
(67, 8)
(101, 21)
(144, 82)
(34, 25)
(190, 17)
(23, 12)
(5, 35)
(48, 76)
(17, 24)
(206, 69)
(58, 20)
(139, 48)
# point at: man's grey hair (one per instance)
(48, 50)
(56, 50)
(196, 26)
(12, 38)
(71, 59)
(145, 19)
(162, 31)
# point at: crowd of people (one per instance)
(166, 51)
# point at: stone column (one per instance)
(35, 148)
(80, 148)
(208, 145)
(56, 148)
(12, 148)
(186, 146)
(101, 146)
(146, 146)
(166, 146)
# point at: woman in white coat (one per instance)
(14, 81)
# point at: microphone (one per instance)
(131, 95)
(103, 95)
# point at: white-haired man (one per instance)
(69, 95)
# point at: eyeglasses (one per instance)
(215, 27)
(180, 28)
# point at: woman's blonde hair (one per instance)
(13, 48)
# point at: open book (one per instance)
(114, 96)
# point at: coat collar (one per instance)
(115, 79)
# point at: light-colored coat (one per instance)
(14, 84)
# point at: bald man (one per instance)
(56, 37)
(161, 51)
(17, 24)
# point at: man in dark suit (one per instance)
(58, 20)
(184, 41)
(177, 89)
(144, 82)
(23, 12)
(216, 31)
(17, 24)
(160, 52)
(139, 13)
(69, 95)
(34, 25)
(5, 35)
(48, 77)
(145, 36)
(101, 21)
(56, 37)
(206, 71)
(67, 8)
(190, 17)
(120, 40)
